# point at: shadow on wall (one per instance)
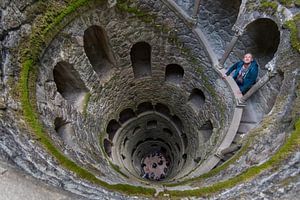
(206, 130)
(196, 99)
(66, 132)
(97, 49)
(112, 128)
(141, 59)
(69, 84)
(174, 74)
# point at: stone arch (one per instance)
(126, 115)
(136, 130)
(184, 157)
(261, 38)
(185, 140)
(174, 74)
(58, 123)
(143, 107)
(196, 99)
(206, 130)
(112, 128)
(141, 59)
(152, 124)
(125, 141)
(65, 131)
(69, 84)
(107, 147)
(177, 121)
(97, 49)
(162, 108)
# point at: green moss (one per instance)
(290, 3)
(117, 169)
(55, 19)
(124, 6)
(268, 6)
(218, 169)
(47, 26)
(86, 103)
(294, 25)
(290, 146)
(286, 2)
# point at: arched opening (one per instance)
(58, 123)
(107, 147)
(123, 157)
(151, 124)
(206, 130)
(174, 74)
(143, 107)
(261, 38)
(136, 129)
(126, 115)
(112, 128)
(66, 132)
(168, 131)
(97, 49)
(185, 140)
(159, 107)
(177, 122)
(125, 141)
(69, 84)
(141, 59)
(196, 99)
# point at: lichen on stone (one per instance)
(294, 25)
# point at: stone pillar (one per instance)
(229, 48)
(257, 86)
(196, 8)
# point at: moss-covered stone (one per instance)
(291, 145)
(294, 26)
(290, 3)
(269, 7)
(45, 28)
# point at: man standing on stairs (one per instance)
(245, 74)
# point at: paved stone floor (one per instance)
(15, 185)
(155, 166)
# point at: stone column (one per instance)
(257, 86)
(196, 8)
(229, 48)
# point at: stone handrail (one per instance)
(213, 160)
(257, 86)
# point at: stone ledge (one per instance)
(17, 185)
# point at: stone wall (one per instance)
(121, 89)
(77, 125)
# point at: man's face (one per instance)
(247, 58)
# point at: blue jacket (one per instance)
(249, 78)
